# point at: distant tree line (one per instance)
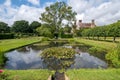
(22, 28)
(18, 29)
(111, 30)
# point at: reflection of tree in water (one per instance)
(58, 64)
(81, 47)
(24, 49)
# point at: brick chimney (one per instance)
(93, 24)
(80, 21)
(93, 21)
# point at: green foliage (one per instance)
(67, 35)
(114, 56)
(33, 26)
(6, 35)
(67, 29)
(4, 76)
(4, 28)
(58, 52)
(21, 26)
(55, 14)
(58, 58)
(45, 31)
(111, 30)
(2, 59)
(45, 39)
(96, 50)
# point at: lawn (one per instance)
(74, 74)
(9, 44)
(102, 44)
(26, 74)
(94, 74)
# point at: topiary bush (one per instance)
(58, 58)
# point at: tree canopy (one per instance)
(4, 28)
(21, 26)
(58, 15)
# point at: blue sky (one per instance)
(103, 11)
(27, 2)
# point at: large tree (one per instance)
(4, 28)
(58, 15)
(34, 25)
(45, 30)
(21, 26)
(114, 30)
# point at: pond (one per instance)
(28, 57)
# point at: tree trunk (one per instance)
(104, 37)
(114, 39)
(98, 38)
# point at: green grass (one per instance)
(74, 74)
(9, 44)
(102, 44)
(27, 74)
(94, 74)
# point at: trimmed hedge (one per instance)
(6, 35)
(67, 35)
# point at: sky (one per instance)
(102, 11)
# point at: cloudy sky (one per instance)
(103, 11)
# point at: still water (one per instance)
(28, 57)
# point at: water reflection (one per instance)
(29, 58)
(23, 60)
(85, 60)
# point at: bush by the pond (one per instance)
(96, 50)
(2, 59)
(58, 52)
(45, 39)
(114, 56)
(58, 58)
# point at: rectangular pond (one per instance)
(28, 57)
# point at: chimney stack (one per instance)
(93, 21)
(80, 21)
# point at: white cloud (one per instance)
(7, 3)
(28, 13)
(9, 14)
(34, 2)
(103, 11)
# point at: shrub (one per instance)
(57, 58)
(96, 50)
(2, 59)
(67, 35)
(114, 56)
(45, 39)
